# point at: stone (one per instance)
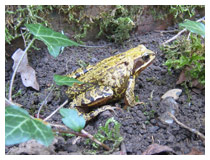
(175, 93)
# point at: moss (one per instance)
(115, 23)
(112, 22)
(177, 12)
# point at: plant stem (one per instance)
(95, 140)
(186, 127)
(83, 133)
(10, 103)
(56, 110)
(178, 34)
(40, 108)
(15, 70)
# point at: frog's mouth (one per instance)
(142, 62)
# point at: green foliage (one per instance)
(54, 40)
(72, 119)
(109, 132)
(64, 80)
(194, 27)
(114, 22)
(20, 127)
(117, 25)
(179, 12)
(183, 10)
(190, 53)
(82, 64)
(16, 16)
(121, 28)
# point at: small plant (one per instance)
(177, 12)
(188, 54)
(182, 10)
(150, 114)
(118, 25)
(16, 16)
(108, 132)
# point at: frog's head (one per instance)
(142, 59)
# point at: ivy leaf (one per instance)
(64, 80)
(42, 133)
(193, 26)
(20, 127)
(53, 40)
(54, 50)
(72, 119)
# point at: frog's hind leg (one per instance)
(93, 97)
(129, 94)
(92, 114)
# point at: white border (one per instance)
(106, 2)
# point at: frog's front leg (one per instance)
(129, 93)
(96, 96)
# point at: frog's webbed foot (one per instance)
(129, 94)
(92, 114)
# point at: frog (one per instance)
(107, 81)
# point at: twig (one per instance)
(186, 127)
(70, 132)
(23, 28)
(168, 31)
(188, 37)
(174, 37)
(95, 140)
(15, 70)
(83, 133)
(179, 33)
(56, 110)
(40, 108)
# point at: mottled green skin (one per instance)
(111, 79)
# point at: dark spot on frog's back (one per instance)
(85, 71)
(126, 63)
(89, 97)
(77, 75)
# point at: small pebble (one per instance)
(175, 93)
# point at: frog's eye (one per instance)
(145, 57)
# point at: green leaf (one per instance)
(72, 119)
(64, 80)
(54, 50)
(53, 40)
(42, 133)
(20, 127)
(195, 27)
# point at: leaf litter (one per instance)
(28, 74)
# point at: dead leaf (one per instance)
(194, 151)
(182, 77)
(28, 74)
(155, 149)
(197, 84)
